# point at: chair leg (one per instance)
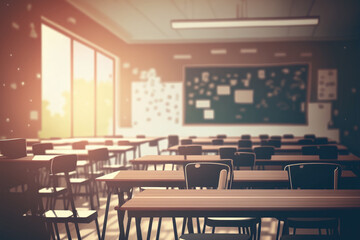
(68, 231)
(183, 226)
(50, 230)
(198, 224)
(213, 230)
(158, 229)
(149, 228)
(175, 228)
(259, 230)
(77, 230)
(56, 231)
(97, 228)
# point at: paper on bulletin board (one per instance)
(327, 84)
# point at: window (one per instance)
(77, 88)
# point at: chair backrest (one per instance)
(288, 136)
(306, 141)
(40, 148)
(173, 140)
(109, 142)
(314, 175)
(192, 137)
(153, 143)
(190, 150)
(275, 137)
(205, 174)
(321, 140)
(274, 143)
(221, 136)
(80, 144)
(63, 164)
(244, 159)
(311, 136)
(186, 141)
(309, 150)
(98, 155)
(264, 152)
(118, 136)
(140, 136)
(227, 152)
(13, 148)
(217, 142)
(245, 143)
(246, 137)
(328, 152)
(123, 143)
(263, 136)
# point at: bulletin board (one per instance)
(246, 94)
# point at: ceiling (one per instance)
(148, 21)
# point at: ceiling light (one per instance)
(246, 22)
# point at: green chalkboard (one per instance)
(246, 94)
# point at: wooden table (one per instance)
(136, 142)
(344, 204)
(123, 181)
(283, 160)
(254, 140)
(285, 149)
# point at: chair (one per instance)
(13, 148)
(245, 137)
(274, 142)
(288, 136)
(311, 136)
(207, 236)
(217, 142)
(190, 150)
(309, 150)
(245, 144)
(65, 164)
(321, 140)
(208, 175)
(244, 159)
(40, 148)
(275, 137)
(221, 136)
(140, 136)
(227, 152)
(313, 176)
(186, 141)
(263, 136)
(79, 144)
(173, 140)
(328, 152)
(192, 137)
(306, 141)
(264, 152)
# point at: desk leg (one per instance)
(121, 214)
(139, 148)
(106, 213)
(138, 228)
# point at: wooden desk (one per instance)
(125, 180)
(283, 160)
(257, 203)
(288, 149)
(136, 142)
(255, 140)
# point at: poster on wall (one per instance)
(327, 84)
(264, 94)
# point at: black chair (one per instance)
(40, 148)
(245, 137)
(313, 176)
(140, 136)
(186, 141)
(190, 150)
(311, 136)
(245, 144)
(328, 152)
(217, 142)
(264, 136)
(173, 140)
(244, 159)
(288, 136)
(264, 152)
(275, 137)
(192, 137)
(65, 164)
(13, 148)
(227, 152)
(221, 136)
(306, 141)
(274, 142)
(208, 175)
(321, 140)
(309, 150)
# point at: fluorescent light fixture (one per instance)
(246, 22)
